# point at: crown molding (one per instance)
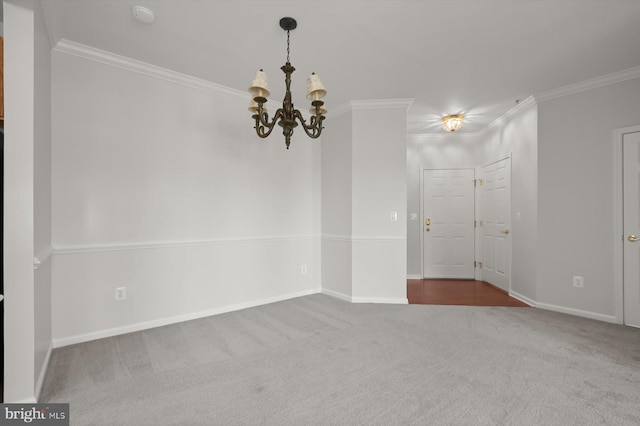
(508, 116)
(97, 55)
(339, 110)
(592, 83)
(369, 104)
(382, 104)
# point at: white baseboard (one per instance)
(31, 400)
(71, 340)
(43, 371)
(523, 299)
(578, 312)
(564, 310)
(387, 300)
(337, 295)
(414, 277)
(351, 299)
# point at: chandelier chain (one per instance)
(288, 50)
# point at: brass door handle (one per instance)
(504, 231)
(427, 221)
(633, 238)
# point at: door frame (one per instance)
(618, 216)
(477, 273)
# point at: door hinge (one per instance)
(474, 224)
(481, 223)
(476, 182)
(477, 264)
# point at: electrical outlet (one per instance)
(121, 293)
(578, 281)
(303, 269)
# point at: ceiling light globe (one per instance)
(453, 122)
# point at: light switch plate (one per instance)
(413, 216)
(394, 216)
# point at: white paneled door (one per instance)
(447, 224)
(495, 226)
(631, 226)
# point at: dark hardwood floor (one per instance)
(458, 292)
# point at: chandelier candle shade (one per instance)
(453, 122)
(286, 116)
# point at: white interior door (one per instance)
(447, 227)
(631, 226)
(495, 225)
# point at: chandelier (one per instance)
(286, 116)
(453, 122)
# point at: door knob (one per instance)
(427, 221)
(504, 231)
(633, 238)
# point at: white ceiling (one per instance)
(474, 57)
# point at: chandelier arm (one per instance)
(314, 128)
(277, 116)
(262, 123)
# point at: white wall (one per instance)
(336, 206)
(576, 190)
(18, 204)
(165, 188)
(379, 169)
(42, 197)
(363, 181)
(27, 195)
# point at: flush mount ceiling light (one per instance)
(143, 14)
(286, 116)
(452, 122)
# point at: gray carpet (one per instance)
(316, 360)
